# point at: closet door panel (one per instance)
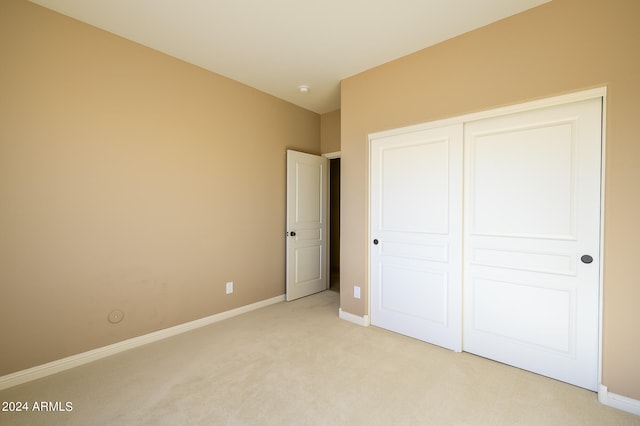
(416, 220)
(532, 210)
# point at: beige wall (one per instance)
(330, 132)
(560, 47)
(129, 180)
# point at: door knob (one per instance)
(292, 233)
(375, 242)
(586, 259)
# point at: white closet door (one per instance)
(416, 234)
(532, 227)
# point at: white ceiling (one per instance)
(277, 45)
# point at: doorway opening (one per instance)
(334, 224)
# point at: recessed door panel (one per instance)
(308, 184)
(415, 187)
(527, 174)
(547, 313)
(308, 264)
(417, 292)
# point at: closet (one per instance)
(485, 235)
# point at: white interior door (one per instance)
(532, 212)
(307, 182)
(416, 234)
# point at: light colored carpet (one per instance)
(296, 363)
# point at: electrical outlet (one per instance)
(356, 292)
(230, 287)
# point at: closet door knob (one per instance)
(586, 259)
(375, 242)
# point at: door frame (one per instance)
(599, 92)
(329, 156)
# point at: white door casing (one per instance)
(306, 235)
(532, 210)
(416, 230)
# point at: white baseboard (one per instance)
(620, 402)
(72, 361)
(363, 321)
